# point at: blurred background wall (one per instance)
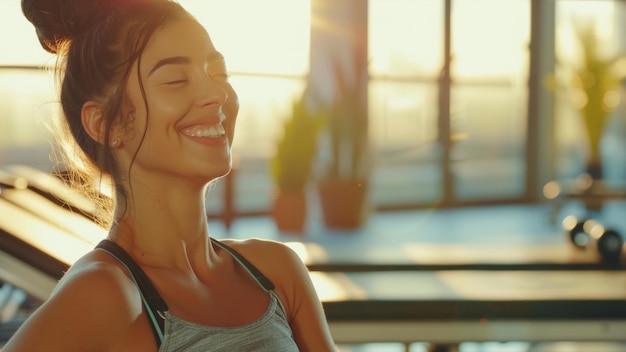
(461, 111)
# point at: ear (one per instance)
(92, 119)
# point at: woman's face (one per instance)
(191, 108)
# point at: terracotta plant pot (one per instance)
(289, 211)
(344, 203)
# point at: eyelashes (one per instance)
(176, 82)
(217, 72)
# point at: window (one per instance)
(471, 151)
(488, 109)
(486, 112)
(406, 54)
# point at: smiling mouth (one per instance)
(212, 131)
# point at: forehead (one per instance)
(184, 37)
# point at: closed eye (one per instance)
(176, 82)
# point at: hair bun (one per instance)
(57, 21)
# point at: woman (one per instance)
(146, 99)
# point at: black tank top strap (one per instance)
(266, 283)
(154, 304)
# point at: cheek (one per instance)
(163, 110)
(168, 104)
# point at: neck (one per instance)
(165, 228)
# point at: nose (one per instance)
(209, 92)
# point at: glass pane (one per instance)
(18, 38)
(265, 103)
(251, 34)
(269, 36)
(27, 105)
(403, 127)
(488, 130)
(489, 97)
(490, 38)
(405, 37)
(405, 49)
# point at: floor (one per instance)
(510, 225)
(494, 347)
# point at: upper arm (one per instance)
(295, 288)
(88, 310)
(306, 315)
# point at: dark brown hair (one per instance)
(96, 43)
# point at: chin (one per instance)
(221, 173)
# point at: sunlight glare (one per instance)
(480, 51)
(418, 23)
(309, 252)
(18, 37)
(47, 237)
(270, 36)
(335, 287)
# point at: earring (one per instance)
(115, 142)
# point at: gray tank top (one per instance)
(271, 332)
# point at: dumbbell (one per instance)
(584, 233)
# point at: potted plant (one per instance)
(291, 166)
(593, 84)
(344, 183)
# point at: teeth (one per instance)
(213, 131)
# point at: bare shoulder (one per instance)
(93, 304)
(276, 261)
(104, 279)
(267, 255)
(97, 270)
(282, 265)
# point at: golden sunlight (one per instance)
(309, 252)
(270, 36)
(50, 239)
(18, 38)
(336, 287)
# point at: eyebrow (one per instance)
(181, 60)
(175, 60)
